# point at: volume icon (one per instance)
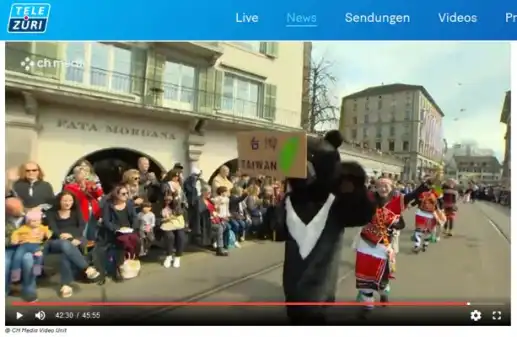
(40, 315)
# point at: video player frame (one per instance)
(227, 315)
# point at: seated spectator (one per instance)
(243, 181)
(67, 225)
(218, 226)
(221, 179)
(173, 184)
(173, 227)
(222, 206)
(118, 232)
(278, 191)
(87, 195)
(267, 209)
(237, 219)
(14, 218)
(88, 171)
(11, 176)
(192, 187)
(29, 238)
(254, 207)
(149, 187)
(268, 197)
(146, 223)
(32, 189)
(131, 180)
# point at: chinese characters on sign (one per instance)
(273, 153)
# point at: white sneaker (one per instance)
(167, 262)
(237, 244)
(214, 245)
(176, 262)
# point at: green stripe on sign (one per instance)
(287, 154)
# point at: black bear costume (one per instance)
(312, 219)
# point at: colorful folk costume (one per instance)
(428, 216)
(450, 200)
(375, 254)
(438, 191)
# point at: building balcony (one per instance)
(210, 51)
(57, 80)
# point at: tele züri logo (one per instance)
(28, 18)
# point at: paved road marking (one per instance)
(494, 224)
(497, 229)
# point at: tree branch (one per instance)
(318, 90)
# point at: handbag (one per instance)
(173, 223)
(130, 268)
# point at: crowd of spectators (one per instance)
(96, 233)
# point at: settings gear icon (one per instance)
(475, 315)
(27, 63)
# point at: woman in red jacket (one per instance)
(87, 194)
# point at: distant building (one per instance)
(400, 119)
(468, 148)
(506, 119)
(450, 169)
(481, 169)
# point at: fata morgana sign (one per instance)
(113, 129)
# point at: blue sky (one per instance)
(467, 79)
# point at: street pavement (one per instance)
(498, 215)
(473, 266)
(200, 271)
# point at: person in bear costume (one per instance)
(312, 219)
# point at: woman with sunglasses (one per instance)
(32, 189)
(131, 179)
(118, 217)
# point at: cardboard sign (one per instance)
(273, 153)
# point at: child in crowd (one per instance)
(173, 227)
(29, 238)
(147, 221)
(222, 207)
(237, 219)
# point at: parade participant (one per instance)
(311, 220)
(435, 184)
(437, 189)
(375, 255)
(450, 198)
(428, 216)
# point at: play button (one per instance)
(18, 315)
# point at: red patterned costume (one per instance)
(427, 217)
(450, 200)
(375, 259)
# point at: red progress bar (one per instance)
(233, 304)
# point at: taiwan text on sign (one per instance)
(273, 153)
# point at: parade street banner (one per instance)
(273, 153)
